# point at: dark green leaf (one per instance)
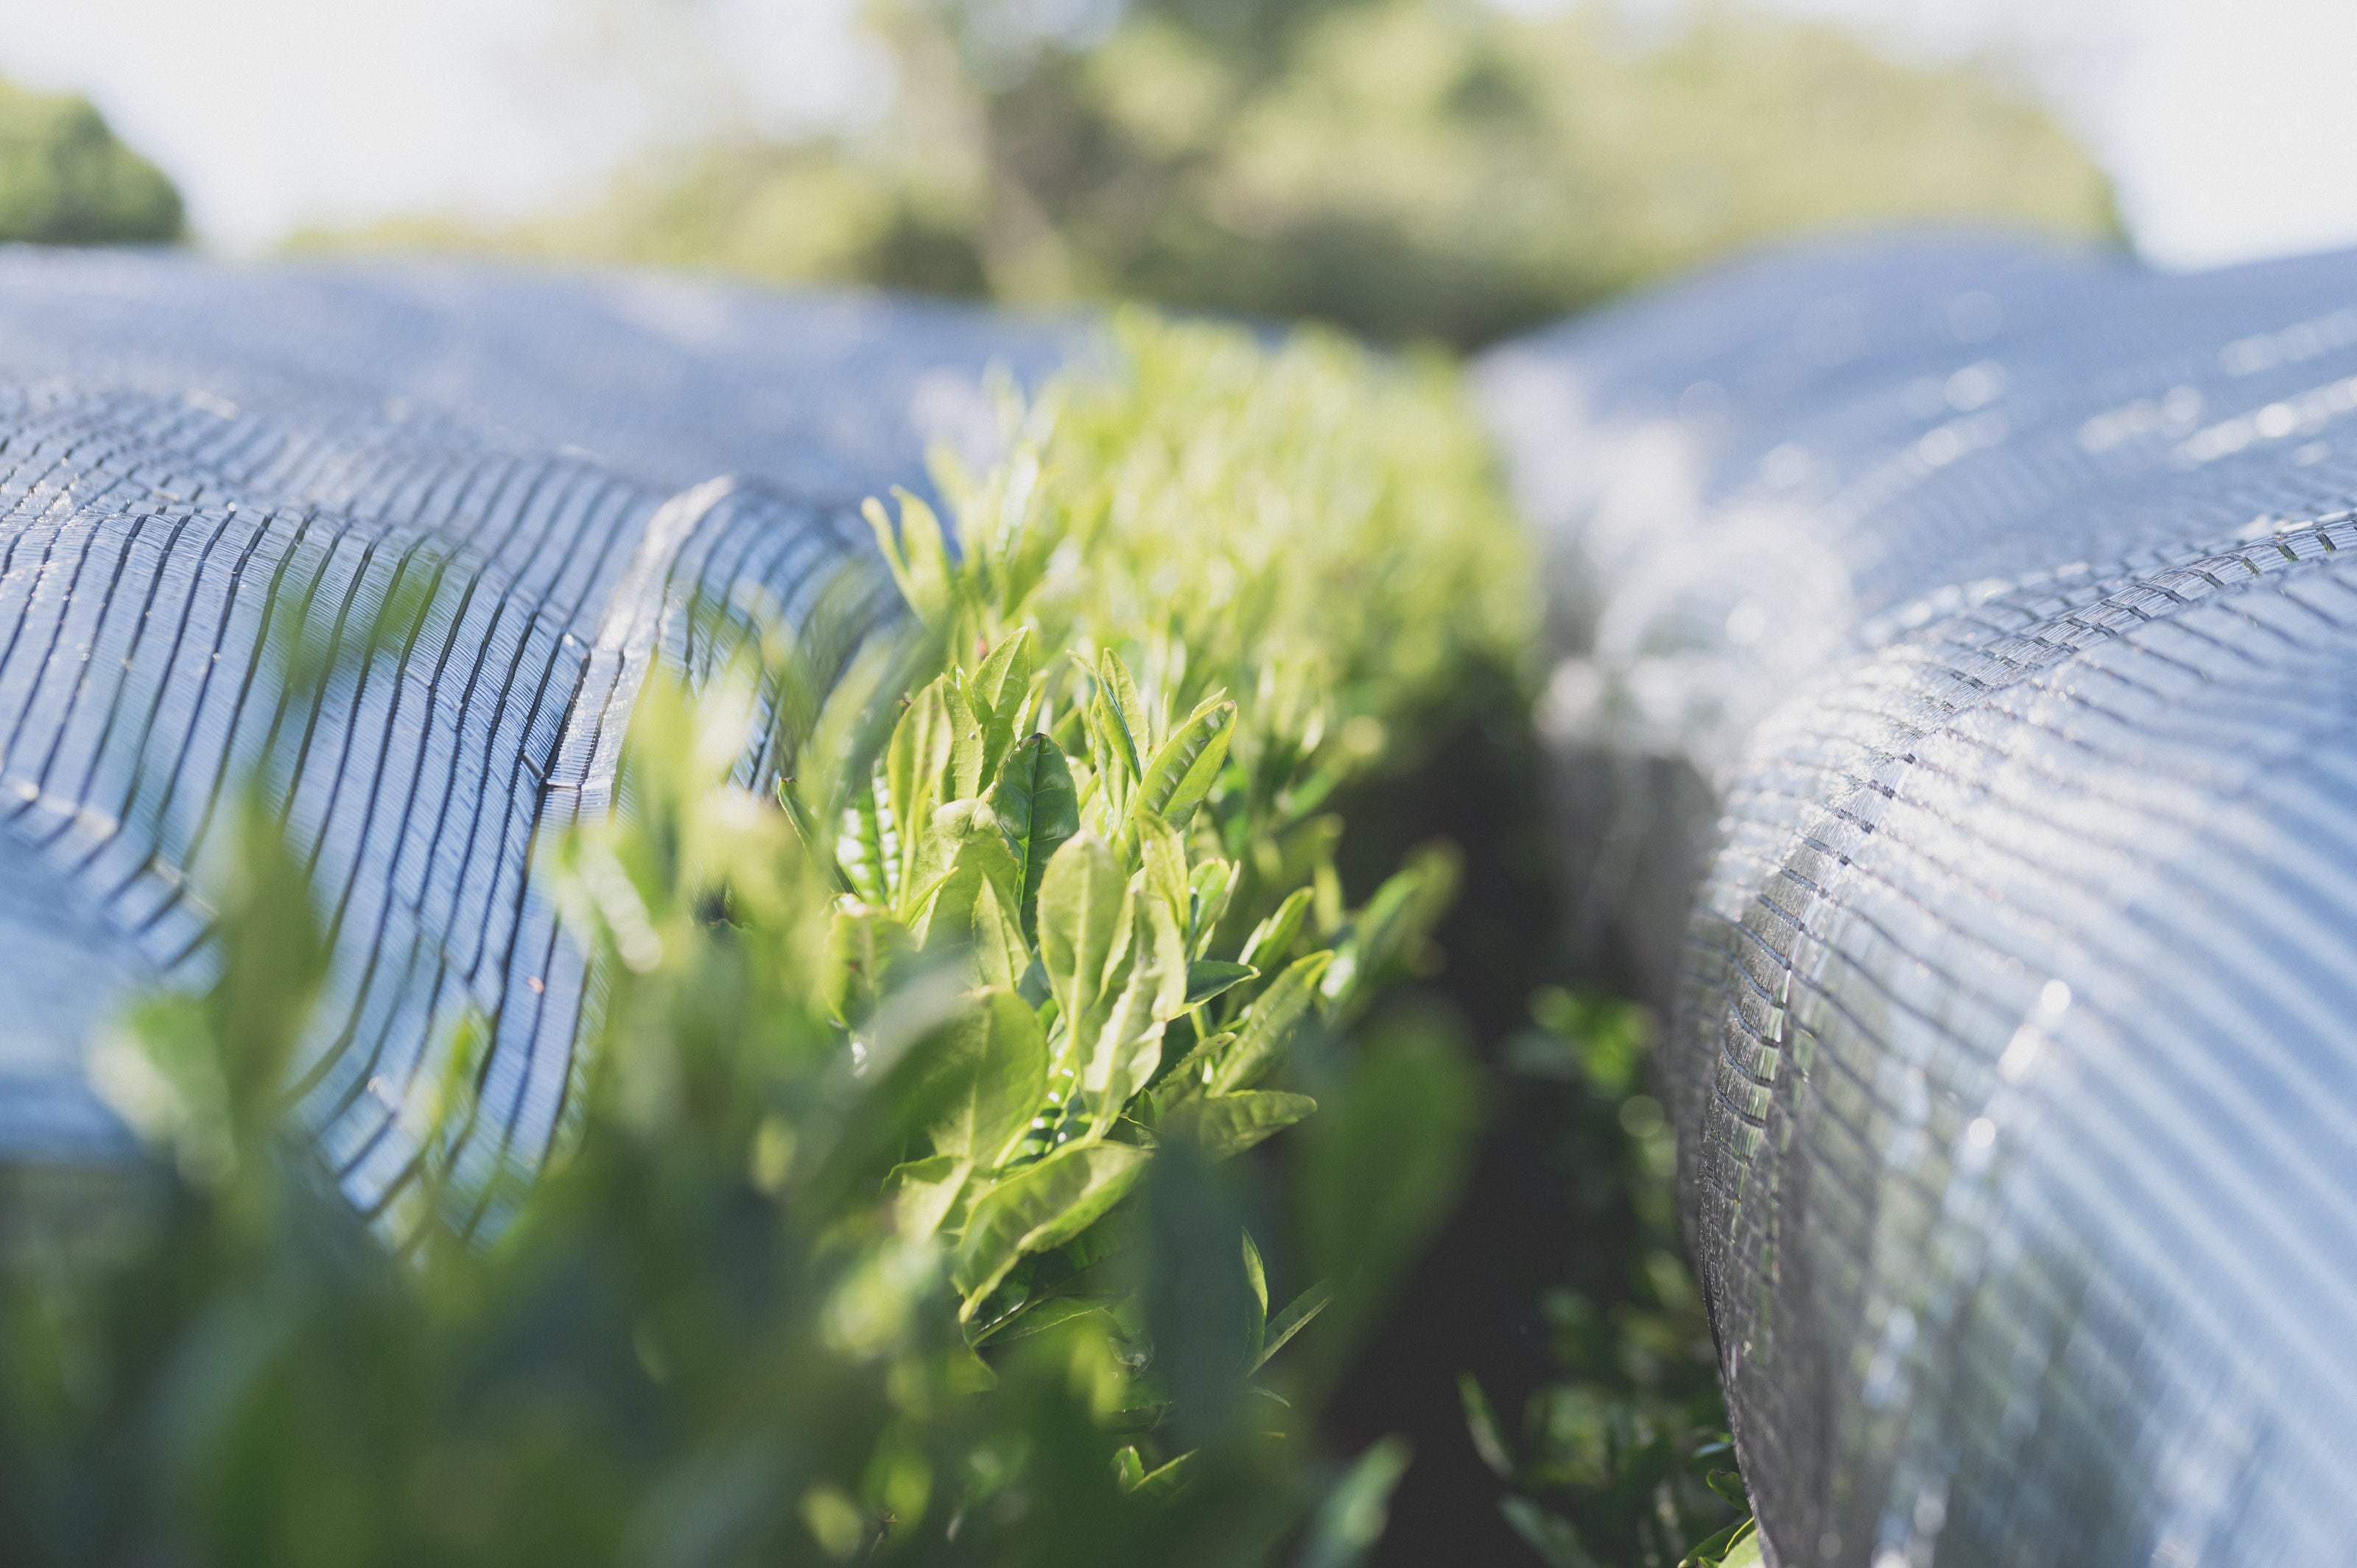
(1401, 914)
(1296, 1317)
(1549, 1535)
(1207, 977)
(1038, 809)
(1379, 1166)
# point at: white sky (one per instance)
(2231, 126)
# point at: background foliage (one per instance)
(66, 180)
(1408, 168)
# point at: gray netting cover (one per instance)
(1979, 625)
(556, 467)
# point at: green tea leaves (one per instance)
(1127, 723)
(1175, 782)
(1268, 1024)
(1084, 923)
(913, 765)
(924, 1192)
(916, 555)
(1037, 811)
(1226, 1125)
(995, 1065)
(1207, 978)
(1001, 696)
(974, 903)
(1038, 1207)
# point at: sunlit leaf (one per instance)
(1175, 782)
(1084, 923)
(1268, 1024)
(1038, 1207)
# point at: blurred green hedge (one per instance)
(1407, 168)
(65, 180)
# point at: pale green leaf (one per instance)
(1175, 782)
(973, 905)
(1084, 922)
(917, 556)
(1162, 855)
(1352, 1518)
(1001, 693)
(923, 1193)
(1210, 886)
(913, 765)
(962, 773)
(1131, 729)
(864, 946)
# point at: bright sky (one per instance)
(2229, 124)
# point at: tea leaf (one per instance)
(1227, 1125)
(1038, 1207)
(1180, 775)
(1084, 924)
(914, 763)
(1268, 1024)
(1298, 1315)
(1001, 691)
(1131, 727)
(924, 1192)
(1038, 810)
(995, 1063)
(1207, 978)
(1274, 936)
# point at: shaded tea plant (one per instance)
(1623, 1455)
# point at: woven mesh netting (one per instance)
(1997, 609)
(559, 477)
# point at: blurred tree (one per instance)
(65, 180)
(1409, 168)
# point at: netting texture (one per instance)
(2005, 603)
(527, 489)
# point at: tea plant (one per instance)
(1622, 1457)
(899, 1215)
